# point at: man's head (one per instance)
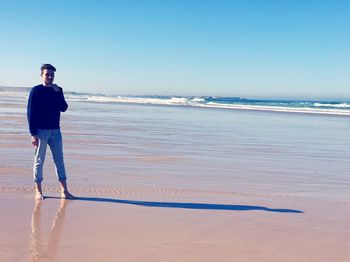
(47, 74)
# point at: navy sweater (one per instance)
(44, 108)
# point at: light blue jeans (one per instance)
(53, 138)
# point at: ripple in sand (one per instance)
(129, 191)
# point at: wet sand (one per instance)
(166, 184)
(163, 226)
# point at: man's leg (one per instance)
(64, 191)
(56, 147)
(39, 160)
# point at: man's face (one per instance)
(48, 76)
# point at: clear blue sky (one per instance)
(261, 48)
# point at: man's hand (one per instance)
(56, 87)
(35, 141)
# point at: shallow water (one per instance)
(113, 145)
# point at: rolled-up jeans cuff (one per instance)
(38, 180)
(62, 179)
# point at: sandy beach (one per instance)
(162, 183)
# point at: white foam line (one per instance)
(279, 109)
(175, 101)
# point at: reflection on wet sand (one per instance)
(41, 249)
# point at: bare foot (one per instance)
(38, 196)
(67, 195)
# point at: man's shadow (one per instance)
(198, 206)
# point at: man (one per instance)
(45, 104)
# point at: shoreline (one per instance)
(242, 107)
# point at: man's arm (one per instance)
(31, 113)
(62, 102)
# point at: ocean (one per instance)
(334, 107)
(294, 106)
